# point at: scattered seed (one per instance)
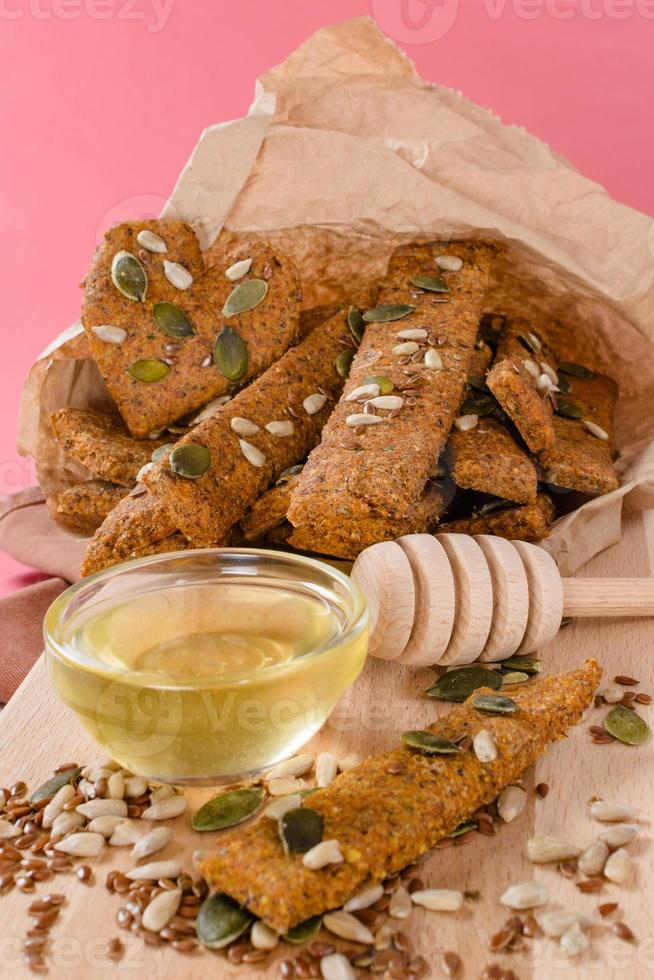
(595, 430)
(619, 867)
(163, 907)
(511, 802)
(228, 809)
(590, 885)
(314, 403)
(364, 899)
(546, 850)
(284, 786)
(625, 680)
(591, 861)
(618, 834)
(347, 926)
(336, 966)
(220, 921)
(81, 845)
(526, 895)
(238, 270)
(304, 931)
(326, 769)
(627, 726)
(297, 765)
(322, 854)
(622, 931)
(438, 899)
(458, 685)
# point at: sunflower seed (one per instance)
(284, 785)
(618, 834)
(238, 270)
(152, 842)
(220, 921)
(243, 427)
(262, 937)
(626, 725)
(153, 243)
(322, 854)
(511, 802)
(405, 348)
(166, 809)
(326, 769)
(391, 403)
(65, 822)
(228, 809)
(362, 418)
(297, 765)
(303, 931)
(349, 762)
(595, 430)
(532, 368)
(245, 297)
(314, 403)
(526, 895)
(619, 867)
(126, 833)
(110, 334)
(438, 899)
(414, 333)
(544, 384)
(449, 263)
(158, 913)
(149, 370)
(546, 850)
(300, 830)
(171, 320)
(573, 941)
(457, 685)
(128, 276)
(608, 812)
(428, 744)
(104, 825)
(558, 921)
(9, 830)
(281, 429)
(177, 275)
(251, 453)
(103, 808)
(494, 704)
(362, 392)
(81, 845)
(142, 472)
(231, 354)
(56, 804)
(576, 370)
(531, 342)
(484, 746)
(155, 870)
(466, 422)
(336, 966)
(347, 926)
(591, 861)
(211, 408)
(433, 360)
(364, 899)
(400, 904)
(280, 806)
(388, 312)
(432, 284)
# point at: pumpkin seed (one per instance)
(478, 383)
(288, 474)
(494, 704)
(627, 726)
(343, 362)
(463, 828)
(231, 354)
(514, 677)
(387, 312)
(245, 297)
(576, 370)
(304, 931)
(567, 409)
(525, 664)
(221, 920)
(384, 384)
(177, 275)
(457, 685)
(156, 457)
(355, 323)
(153, 243)
(480, 406)
(190, 460)
(432, 284)
(531, 342)
(300, 830)
(228, 809)
(128, 276)
(149, 370)
(428, 744)
(53, 785)
(171, 320)
(564, 385)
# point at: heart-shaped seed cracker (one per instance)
(181, 348)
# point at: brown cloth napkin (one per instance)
(29, 535)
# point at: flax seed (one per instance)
(542, 789)
(607, 908)
(625, 680)
(590, 885)
(622, 931)
(642, 698)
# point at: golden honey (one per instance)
(199, 676)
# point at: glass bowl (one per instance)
(206, 666)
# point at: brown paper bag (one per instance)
(347, 152)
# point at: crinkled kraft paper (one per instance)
(346, 151)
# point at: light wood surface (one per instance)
(36, 732)
(510, 597)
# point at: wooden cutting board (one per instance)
(37, 733)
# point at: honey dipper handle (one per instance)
(608, 597)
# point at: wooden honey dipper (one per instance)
(453, 599)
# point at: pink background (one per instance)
(103, 100)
